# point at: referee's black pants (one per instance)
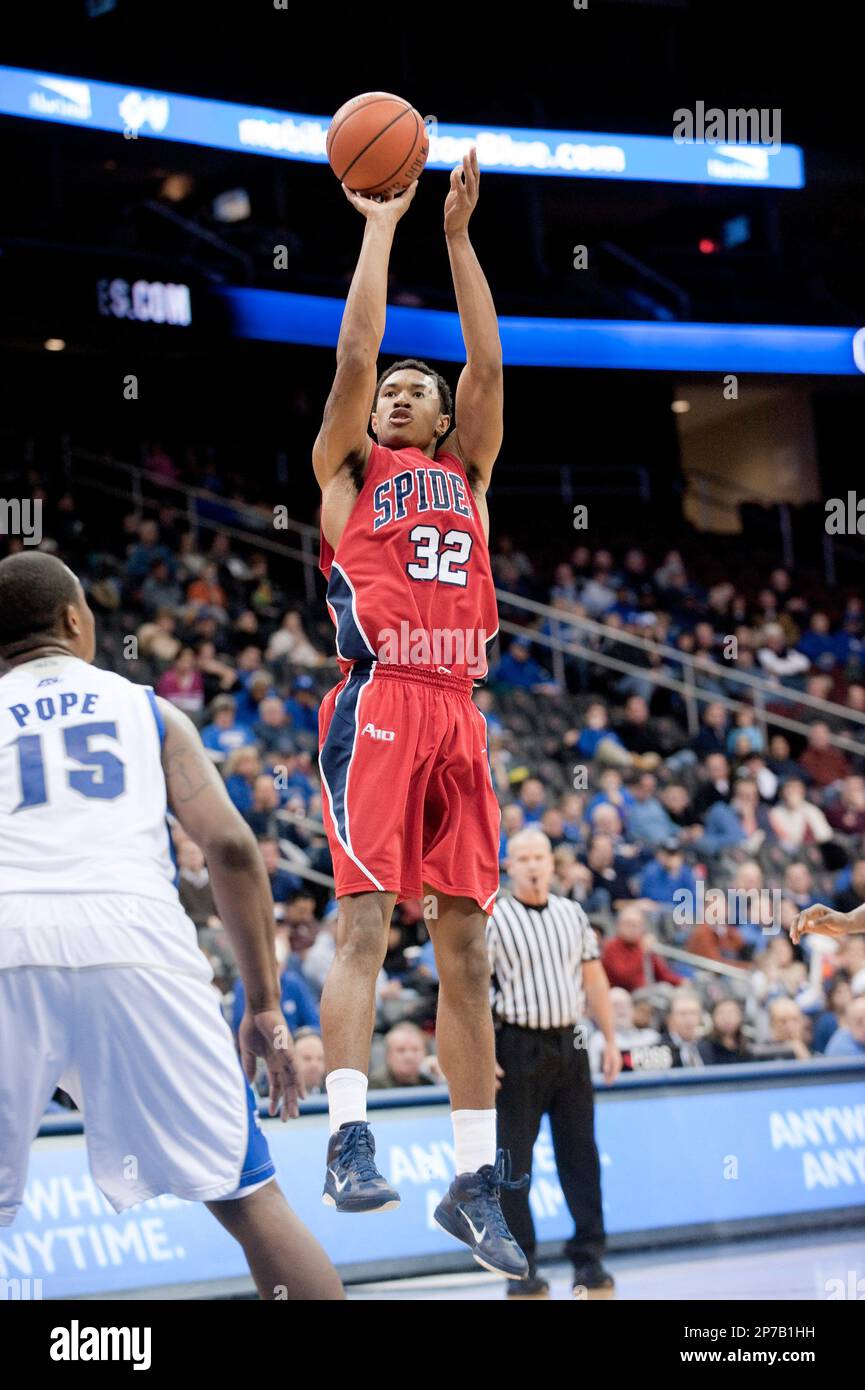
(545, 1074)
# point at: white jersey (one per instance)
(82, 791)
(87, 873)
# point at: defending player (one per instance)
(410, 807)
(103, 989)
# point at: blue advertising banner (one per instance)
(314, 320)
(671, 1157)
(223, 125)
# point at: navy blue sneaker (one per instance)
(472, 1212)
(353, 1182)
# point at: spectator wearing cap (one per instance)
(666, 876)
(224, 734)
(517, 667)
(628, 958)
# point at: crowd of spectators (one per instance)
(691, 851)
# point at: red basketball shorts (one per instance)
(408, 798)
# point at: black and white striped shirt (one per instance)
(536, 956)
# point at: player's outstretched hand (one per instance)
(823, 921)
(267, 1035)
(383, 208)
(463, 193)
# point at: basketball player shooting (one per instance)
(103, 988)
(410, 807)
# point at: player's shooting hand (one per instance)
(462, 196)
(267, 1035)
(384, 209)
(823, 921)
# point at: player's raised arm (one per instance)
(343, 439)
(241, 891)
(479, 394)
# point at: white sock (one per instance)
(346, 1096)
(474, 1139)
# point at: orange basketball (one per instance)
(377, 143)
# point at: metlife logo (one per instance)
(750, 163)
(62, 98)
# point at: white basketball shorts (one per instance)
(148, 1058)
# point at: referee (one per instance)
(545, 958)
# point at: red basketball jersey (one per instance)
(410, 582)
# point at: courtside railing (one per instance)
(572, 636)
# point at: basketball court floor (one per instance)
(800, 1268)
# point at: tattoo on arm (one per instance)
(186, 774)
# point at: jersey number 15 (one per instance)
(101, 774)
